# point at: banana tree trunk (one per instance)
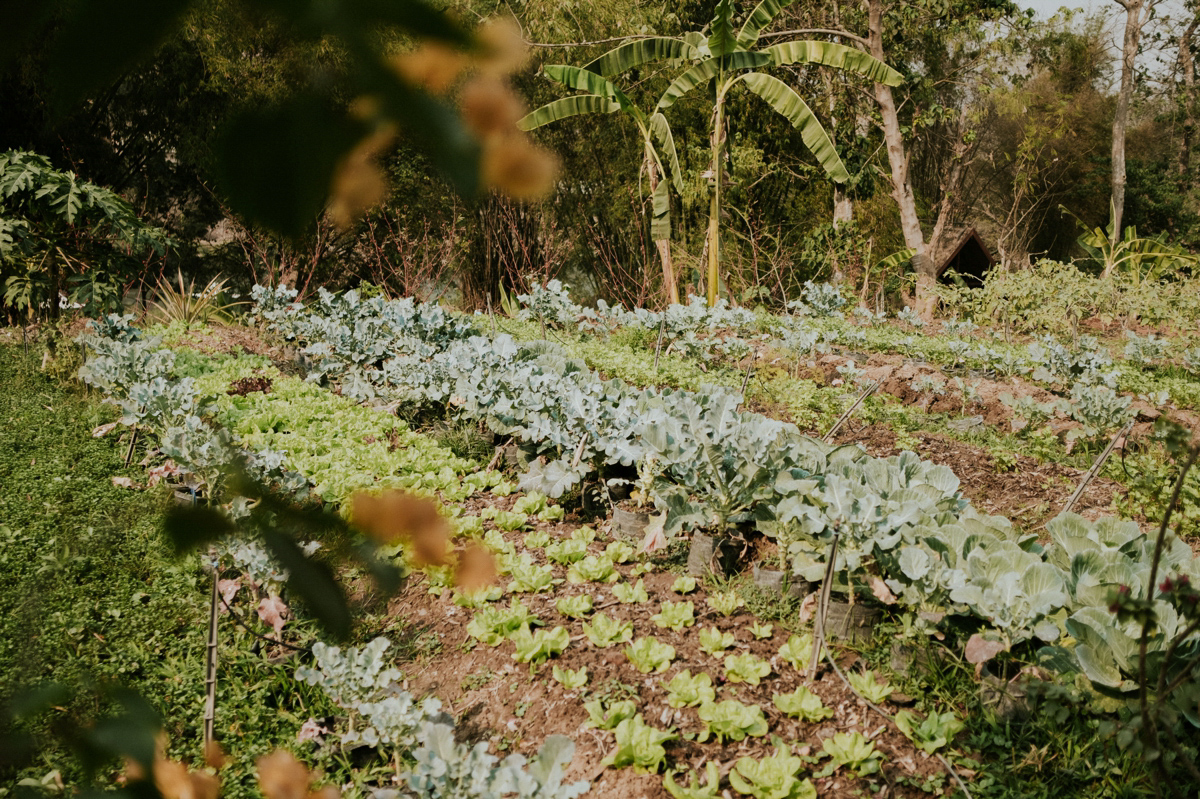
(663, 245)
(714, 210)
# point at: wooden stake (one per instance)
(210, 677)
(1095, 470)
(658, 347)
(866, 392)
(823, 608)
(132, 441)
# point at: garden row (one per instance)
(708, 466)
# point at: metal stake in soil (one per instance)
(132, 441)
(866, 392)
(822, 608)
(1095, 470)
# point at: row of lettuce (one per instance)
(306, 441)
(707, 465)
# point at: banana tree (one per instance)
(723, 59)
(660, 160)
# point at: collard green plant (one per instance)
(445, 768)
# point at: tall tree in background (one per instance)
(1137, 14)
(659, 159)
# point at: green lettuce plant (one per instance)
(592, 569)
(931, 733)
(725, 602)
(747, 668)
(537, 539)
(710, 789)
(802, 704)
(606, 716)
(574, 607)
(684, 585)
(714, 642)
(618, 552)
(853, 751)
(529, 577)
(684, 690)
(537, 646)
(761, 631)
(492, 625)
(649, 655)
(868, 686)
(567, 552)
(605, 631)
(628, 594)
(731, 721)
(639, 745)
(772, 777)
(675, 616)
(571, 679)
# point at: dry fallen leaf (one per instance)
(103, 430)
(282, 776)
(228, 589)
(397, 517)
(981, 650)
(476, 569)
(124, 482)
(272, 610)
(655, 538)
(881, 591)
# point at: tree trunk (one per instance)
(1187, 89)
(670, 285)
(1135, 20)
(902, 192)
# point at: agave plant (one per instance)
(176, 302)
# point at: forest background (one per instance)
(1006, 121)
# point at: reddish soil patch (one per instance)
(516, 708)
